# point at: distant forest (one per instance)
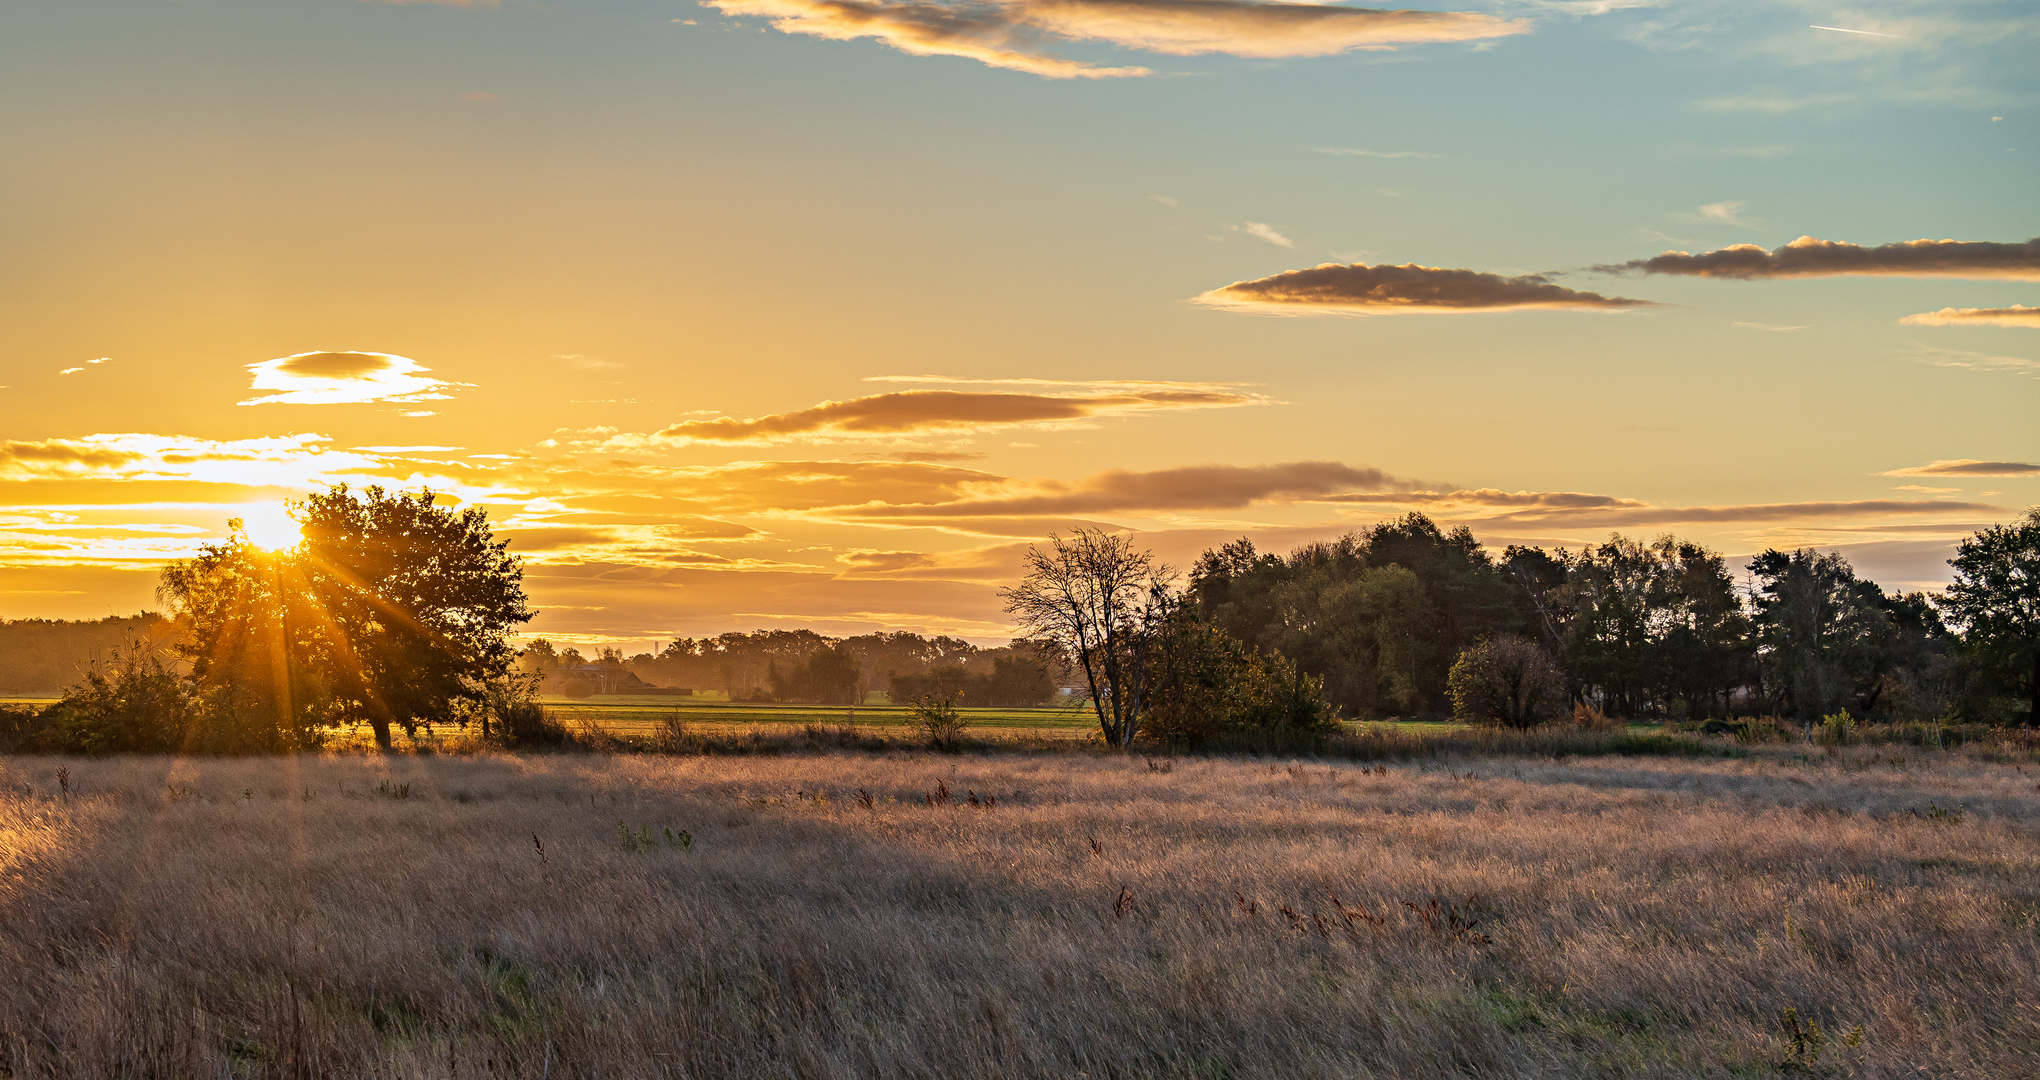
(43, 656)
(801, 666)
(1380, 619)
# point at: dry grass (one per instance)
(1106, 917)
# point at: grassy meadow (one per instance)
(1870, 913)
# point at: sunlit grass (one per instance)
(838, 915)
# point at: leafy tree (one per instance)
(1818, 631)
(418, 602)
(1510, 681)
(1995, 601)
(1100, 602)
(254, 635)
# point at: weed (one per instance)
(1805, 1043)
(64, 780)
(179, 794)
(683, 839)
(985, 803)
(1124, 904)
(864, 799)
(1452, 922)
(1154, 766)
(1359, 914)
(540, 845)
(1249, 908)
(1944, 815)
(939, 796)
(637, 843)
(1097, 849)
(389, 790)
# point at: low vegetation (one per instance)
(1870, 912)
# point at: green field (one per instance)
(715, 714)
(625, 714)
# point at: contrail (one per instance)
(1846, 30)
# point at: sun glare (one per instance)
(268, 526)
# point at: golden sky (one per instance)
(775, 313)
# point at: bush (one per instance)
(1206, 689)
(1837, 729)
(937, 718)
(1509, 681)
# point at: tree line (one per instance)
(804, 667)
(395, 613)
(1408, 619)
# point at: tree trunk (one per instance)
(382, 733)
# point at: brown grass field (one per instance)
(1107, 916)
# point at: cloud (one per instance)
(1974, 361)
(918, 412)
(985, 33)
(1190, 488)
(1264, 232)
(1009, 34)
(343, 378)
(1351, 152)
(1717, 213)
(1968, 467)
(1812, 257)
(2016, 315)
(1089, 384)
(1768, 327)
(1359, 289)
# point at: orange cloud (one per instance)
(343, 378)
(1359, 289)
(916, 412)
(1009, 34)
(1968, 467)
(1264, 30)
(1196, 487)
(1812, 257)
(2016, 315)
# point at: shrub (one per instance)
(937, 718)
(1837, 729)
(1509, 681)
(1205, 688)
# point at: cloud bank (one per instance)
(1813, 257)
(915, 412)
(2016, 315)
(343, 378)
(1010, 34)
(1968, 467)
(1359, 289)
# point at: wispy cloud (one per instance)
(1767, 327)
(1347, 151)
(1973, 361)
(1011, 34)
(1726, 212)
(916, 412)
(1263, 231)
(2016, 315)
(1190, 488)
(344, 378)
(1086, 384)
(1358, 289)
(1812, 257)
(1967, 467)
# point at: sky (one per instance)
(815, 313)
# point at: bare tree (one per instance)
(1100, 602)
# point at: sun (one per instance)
(269, 526)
